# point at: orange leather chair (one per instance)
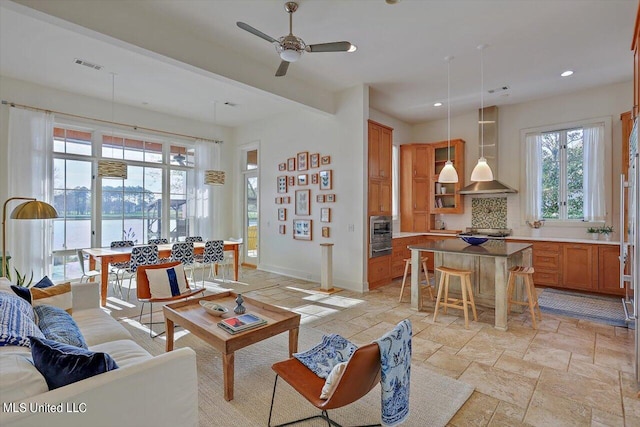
(361, 374)
(144, 292)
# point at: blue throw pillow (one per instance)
(322, 358)
(63, 364)
(24, 292)
(16, 321)
(58, 325)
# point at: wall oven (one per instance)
(380, 235)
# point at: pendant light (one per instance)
(214, 177)
(482, 171)
(112, 168)
(448, 174)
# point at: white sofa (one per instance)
(143, 391)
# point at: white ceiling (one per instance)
(401, 50)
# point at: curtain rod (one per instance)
(134, 127)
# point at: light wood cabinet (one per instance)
(609, 270)
(580, 266)
(577, 266)
(635, 46)
(380, 139)
(446, 198)
(421, 194)
(379, 150)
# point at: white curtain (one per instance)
(533, 175)
(593, 172)
(29, 242)
(202, 198)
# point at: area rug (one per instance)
(595, 308)
(434, 398)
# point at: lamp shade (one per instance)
(34, 209)
(214, 177)
(448, 174)
(112, 169)
(290, 55)
(482, 171)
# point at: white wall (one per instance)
(21, 92)
(609, 100)
(342, 137)
(402, 132)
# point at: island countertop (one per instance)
(491, 248)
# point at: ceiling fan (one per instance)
(291, 47)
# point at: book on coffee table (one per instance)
(241, 323)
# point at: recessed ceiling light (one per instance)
(438, 104)
(392, 1)
(567, 73)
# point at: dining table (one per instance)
(106, 256)
(490, 263)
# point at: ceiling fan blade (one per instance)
(258, 33)
(329, 47)
(282, 69)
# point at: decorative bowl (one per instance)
(213, 308)
(474, 240)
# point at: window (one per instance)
(565, 174)
(152, 202)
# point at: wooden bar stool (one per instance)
(407, 263)
(526, 273)
(467, 293)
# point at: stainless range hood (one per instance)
(491, 154)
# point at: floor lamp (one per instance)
(32, 209)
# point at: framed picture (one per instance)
(292, 180)
(325, 160)
(314, 178)
(320, 198)
(314, 160)
(278, 200)
(286, 199)
(303, 204)
(291, 164)
(282, 167)
(282, 214)
(330, 198)
(282, 229)
(282, 184)
(302, 179)
(325, 214)
(302, 229)
(303, 161)
(325, 180)
(325, 231)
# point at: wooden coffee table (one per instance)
(191, 316)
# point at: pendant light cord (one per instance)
(481, 47)
(449, 58)
(113, 100)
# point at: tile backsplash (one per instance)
(489, 212)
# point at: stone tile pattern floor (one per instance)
(566, 373)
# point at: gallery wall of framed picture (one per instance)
(306, 179)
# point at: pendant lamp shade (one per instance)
(482, 171)
(448, 174)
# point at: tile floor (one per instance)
(567, 373)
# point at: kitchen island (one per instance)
(490, 263)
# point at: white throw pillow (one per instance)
(166, 282)
(332, 380)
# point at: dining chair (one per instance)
(140, 255)
(183, 252)
(213, 255)
(193, 239)
(115, 267)
(160, 241)
(88, 274)
(160, 289)
(229, 260)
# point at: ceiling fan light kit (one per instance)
(290, 47)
